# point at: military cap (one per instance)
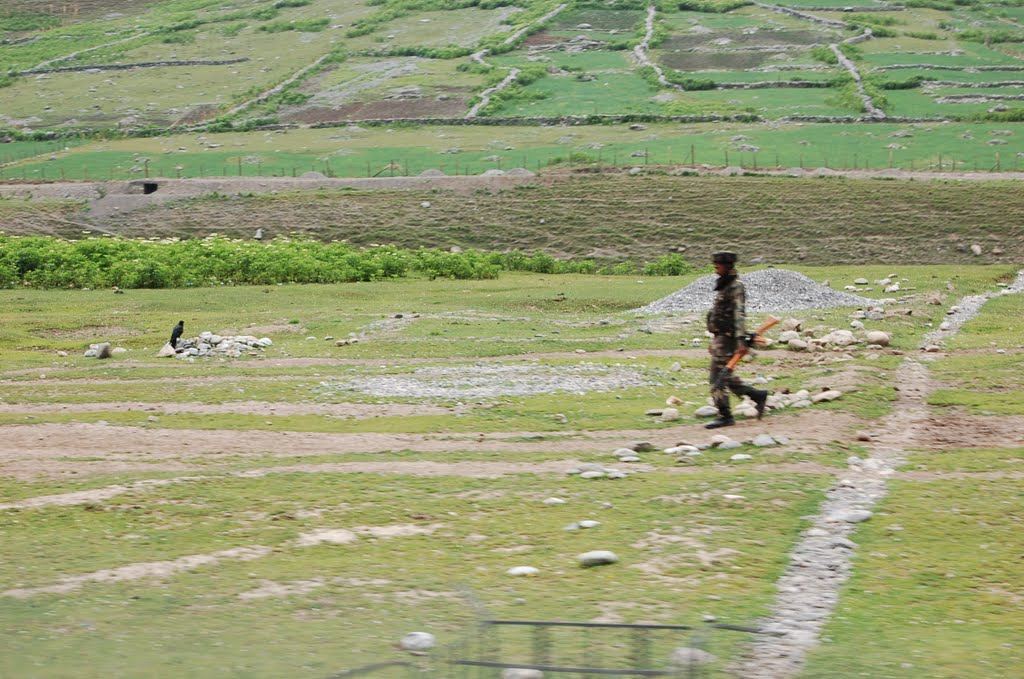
(723, 257)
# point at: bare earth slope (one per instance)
(815, 220)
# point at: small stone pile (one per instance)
(768, 290)
(210, 344)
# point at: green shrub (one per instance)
(941, 5)
(712, 6)
(987, 37)
(306, 26)
(824, 55)
(179, 39)
(231, 30)
(28, 21)
(668, 265)
(908, 84)
(922, 35)
(265, 13)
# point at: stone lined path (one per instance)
(821, 563)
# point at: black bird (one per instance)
(176, 333)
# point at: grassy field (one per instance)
(409, 150)
(211, 552)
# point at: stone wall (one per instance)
(125, 67)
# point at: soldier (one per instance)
(726, 321)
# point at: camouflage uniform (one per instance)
(727, 322)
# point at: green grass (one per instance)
(208, 516)
(685, 550)
(461, 150)
(985, 382)
(988, 384)
(967, 460)
(997, 326)
(915, 607)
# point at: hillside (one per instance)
(610, 217)
(235, 64)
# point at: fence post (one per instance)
(997, 162)
(693, 155)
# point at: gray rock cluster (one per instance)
(592, 470)
(768, 290)
(484, 381)
(210, 344)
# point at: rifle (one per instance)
(752, 338)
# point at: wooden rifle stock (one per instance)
(751, 339)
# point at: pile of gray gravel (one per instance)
(486, 381)
(767, 290)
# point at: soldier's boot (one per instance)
(724, 416)
(759, 397)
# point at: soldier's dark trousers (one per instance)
(722, 349)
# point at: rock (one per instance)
(740, 456)
(588, 523)
(521, 673)
(706, 411)
(976, 250)
(791, 324)
(797, 345)
(840, 338)
(624, 452)
(417, 641)
(673, 401)
(788, 336)
(522, 570)
(860, 281)
(828, 395)
(685, 657)
(592, 475)
(166, 351)
(669, 415)
(642, 446)
(855, 515)
(878, 337)
(598, 557)
(554, 501)
(763, 440)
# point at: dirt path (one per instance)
(75, 450)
